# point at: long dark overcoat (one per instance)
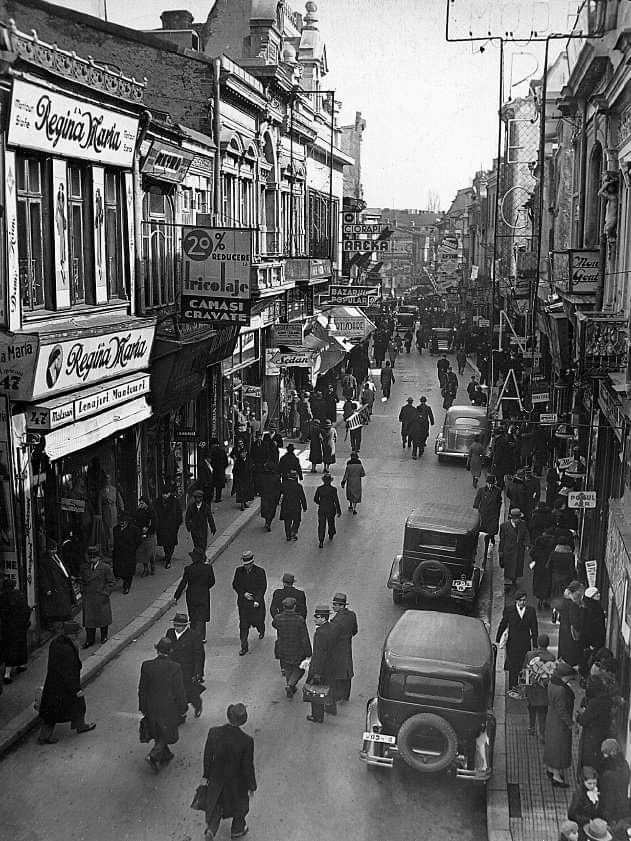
(59, 605)
(292, 635)
(15, 617)
(540, 521)
(198, 521)
(522, 633)
(286, 592)
(229, 769)
(243, 482)
(189, 652)
(168, 521)
(254, 581)
(512, 549)
(294, 501)
(162, 697)
(197, 579)
(315, 445)
(557, 752)
(541, 577)
(269, 488)
(344, 624)
(488, 503)
(323, 663)
(571, 616)
(614, 788)
(63, 681)
(126, 541)
(219, 462)
(595, 720)
(97, 583)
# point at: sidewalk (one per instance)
(148, 600)
(522, 805)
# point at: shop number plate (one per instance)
(379, 737)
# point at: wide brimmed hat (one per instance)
(515, 514)
(597, 830)
(237, 714)
(322, 610)
(248, 557)
(339, 598)
(180, 619)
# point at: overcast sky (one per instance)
(430, 106)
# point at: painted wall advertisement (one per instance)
(216, 275)
(65, 126)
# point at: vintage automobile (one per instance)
(440, 340)
(460, 426)
(442, 558)
(434, 706)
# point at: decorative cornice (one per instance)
(50, 57)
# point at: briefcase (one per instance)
(317, 693)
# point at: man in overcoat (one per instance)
(514, 540)
(520, 620)
(198, 579)
(127, 538)
(168, 522)
(288, 591)
(55, 586)
(406, 416)
(328, 503)
(269, 489)
(293, 503)
(62, 696)
(229, 774)
(488, 502)
(97, 582)
(322, 666)
(218, 458)
(424, 411)
(15, 617)
(344, 623)
(292, 644)
(187, 650)
(250, 584)
(162, 700)
(289, 462)
(198, 519)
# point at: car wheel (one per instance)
(397, 596)
(427, 743)
(432, 579)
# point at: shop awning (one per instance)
(554, 325)
(84, 433)
(329, 359)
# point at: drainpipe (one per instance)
(217, 202)
(583, 184)
(145, 121)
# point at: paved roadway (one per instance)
(97, 787)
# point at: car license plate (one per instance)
(379, 737)
(461, 586)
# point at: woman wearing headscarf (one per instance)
(145, 520)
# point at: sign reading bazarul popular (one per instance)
(216, 275)
(61, 125)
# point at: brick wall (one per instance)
(177, 82)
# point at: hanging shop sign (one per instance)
(18, 358)
(251, 391)
(584, 270)
(581, 499)
(540, 397)
(359, 296)
(167, 162)
(287, 334)
(591, 570)
(66, 126)
(216, 275)
(547, 419)
(275, 360)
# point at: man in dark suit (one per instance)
(162, 700)
(328, 503)
(250, 584)
(188, 651)
(198, 519)
(229, 773)
(322, 666)
(289, 462)
(288, 591)
(198, 580)
(520, 620)
(344, 624)
(293, 503)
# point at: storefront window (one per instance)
(158, 248)
(321, 225)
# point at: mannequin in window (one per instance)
(110, 506)
(609, 191)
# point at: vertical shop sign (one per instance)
(11, 308)
(8, 549)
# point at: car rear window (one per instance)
(467, 422)
(423, 687)
(421, 539)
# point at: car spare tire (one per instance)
(427, 743)
(432, 579)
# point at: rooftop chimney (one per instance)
(177, 19)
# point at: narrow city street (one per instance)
(97, 787)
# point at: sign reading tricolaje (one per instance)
(66, 126)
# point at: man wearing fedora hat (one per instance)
(293, 503)
(188, 651)
(328, 503)
(514, 540)
(199, 519)
(344, 624)
(162, 701)
(229, 774)
(322, 665)
(198, 579)
(250, 584)
(127, 538)
(597, 830)
(97, 582)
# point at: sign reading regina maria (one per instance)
(216, 275)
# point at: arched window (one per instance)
(592, 199)
(158, 247)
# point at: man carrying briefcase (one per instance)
(321, 669)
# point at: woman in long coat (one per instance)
(97, 582)
(541, 578)
(315, 447)
(127, 539)
(557, 753)
(329, 437)
(353, 476)
(145, 519)
(242, 478)
(562, 570)
(15, 617)
(61, 700)
(269, 486)
(571, 619)
(595, 717)
(540, 521)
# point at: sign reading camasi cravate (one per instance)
(69, 127)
